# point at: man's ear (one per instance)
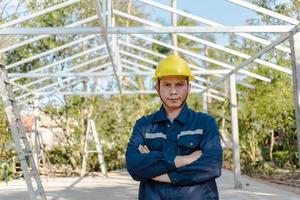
(157, 88)
(189, 87)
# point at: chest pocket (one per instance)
(189, 141)
(154, 141)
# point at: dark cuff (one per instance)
(171, 163)
(173, 177)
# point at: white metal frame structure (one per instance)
(117, 62)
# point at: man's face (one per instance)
(173, 90)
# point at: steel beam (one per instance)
(66, 59)
(146, 30)
(124, 92)
(205, 42)
(265, 11)
(57, 83)
(295, 47)
(45, 53)
(38, 13)
(37, 38)
(207, 59)
(25, 86)
(255, 56)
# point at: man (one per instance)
(175, 153)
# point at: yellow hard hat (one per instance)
(173, 66)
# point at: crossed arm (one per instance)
(179, 161)
(192, 169)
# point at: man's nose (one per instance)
(173, 90)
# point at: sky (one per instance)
(220, 11)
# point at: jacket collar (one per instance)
(182, 117)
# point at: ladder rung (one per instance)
(10, 94)
(19, 121)
(3, 74)
(27, 153)
(6, 80)
(11, 99)
(4, 77)
(39, 193)
(16, 117)
(92, 151)
(32, 173)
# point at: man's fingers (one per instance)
(146, 148)
(143, 149)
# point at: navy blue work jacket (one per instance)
(189, 132)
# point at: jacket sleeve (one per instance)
(208, 166)
(145, 166)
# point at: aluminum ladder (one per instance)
(92, 136)
(22, 146)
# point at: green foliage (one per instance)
(6, 155)
(267, 110)
(5, 172)
(281, 158)
(5, 137)
(115, 122)
(59, 155)
(227, 159)
(114, 118)
(62, 156)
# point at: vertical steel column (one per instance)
(235, 133)
(104, 27)
(108, 11)
(104, 13)
(115, 43)
(295, 55)
(174, 23)
(129, 9)
(204, 103)
(37, 147)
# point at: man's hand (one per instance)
(143, 149)
(181, 161)
(163, 178)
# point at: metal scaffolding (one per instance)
(112, 46)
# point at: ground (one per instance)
(286, 180)
(119, 185)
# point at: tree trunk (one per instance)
(271, 145)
